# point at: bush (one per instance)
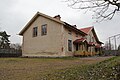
(83, 53)
(79, 53)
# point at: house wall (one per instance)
(67, 37)
(48, 45)
(90, 38)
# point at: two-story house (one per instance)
(51, 37)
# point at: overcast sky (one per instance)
(14, 15)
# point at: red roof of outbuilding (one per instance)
(86, 30)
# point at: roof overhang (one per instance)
(74, 28)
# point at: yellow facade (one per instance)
(54, 44)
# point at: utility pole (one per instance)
(114, 41)
(109, 46)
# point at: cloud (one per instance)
(16, 13)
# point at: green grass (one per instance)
(105, 70)
(68, 68)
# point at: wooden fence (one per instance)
(10, 53)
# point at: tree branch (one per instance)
(100, 7)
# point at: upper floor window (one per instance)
(69, 45)
(69, 32)
(93, 39)
(35, 31)
(44, 29)
(76, 34)
(90, 38)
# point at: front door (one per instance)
(77, 47)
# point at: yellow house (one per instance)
(50, 37)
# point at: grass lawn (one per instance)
(54, 68)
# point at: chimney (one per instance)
(57, 17)
(75, 26)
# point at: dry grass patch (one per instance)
(37, 68)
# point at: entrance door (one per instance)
(77, 47)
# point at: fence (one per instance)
(10, 53)
(111, 53)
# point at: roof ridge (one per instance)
(87, 27)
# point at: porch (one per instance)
(83, 48)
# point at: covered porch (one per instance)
(83, 48)
(80, 46)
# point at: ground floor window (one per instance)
(69, 45)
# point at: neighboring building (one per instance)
(49, 36)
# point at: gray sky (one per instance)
(14, 15)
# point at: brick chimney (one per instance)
(57, 17)
(75, 26)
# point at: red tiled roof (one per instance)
(98, 46)
(91, 43)
(86, 30)
(79, 40)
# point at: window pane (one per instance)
(69, 32)
(76, 34)
(44, 29)
(35, 32)
(69, 45)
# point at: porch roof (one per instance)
(98, 46)
(91, 43)
(79, 40)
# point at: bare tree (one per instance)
(108, 46)
(103, 9)
(16, 46)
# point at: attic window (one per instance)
(35, 31)
(76, 34)
(93, 39)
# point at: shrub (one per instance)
(82, 53)
(79, 53)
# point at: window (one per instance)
(76, 34)
(35, 31)
(70, 32)
(69, 45)
(90, 39)
(44, 29)
(93, 39)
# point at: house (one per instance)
(51, 37)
